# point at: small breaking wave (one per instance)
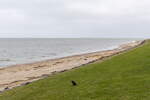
(5, 60)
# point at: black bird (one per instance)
(74, 83)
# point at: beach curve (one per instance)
(19, 75)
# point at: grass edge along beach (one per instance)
(123, 77)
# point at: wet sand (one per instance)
(23, 74)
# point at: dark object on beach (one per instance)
(74, 83)
(85, 59)
(6, 88)
(25, 83)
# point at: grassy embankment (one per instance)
(123, 77)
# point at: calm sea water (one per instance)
(18, 51)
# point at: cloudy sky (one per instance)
(75, 18)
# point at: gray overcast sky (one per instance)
(75, 18)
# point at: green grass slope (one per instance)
(123, 77)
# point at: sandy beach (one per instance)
(19, 75)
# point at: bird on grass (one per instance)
(74, 83)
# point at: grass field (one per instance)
(123, 77)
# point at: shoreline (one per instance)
(22, 74)
(8, 61)
(72, 55)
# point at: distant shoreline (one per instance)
(18, 75)
(62, 57)
(23, 51)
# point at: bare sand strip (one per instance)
(19, 75)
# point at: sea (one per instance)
(27, 50)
